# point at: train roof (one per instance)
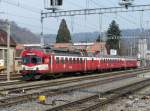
(63, 51)
(76, 52)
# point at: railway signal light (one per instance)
(53, 4)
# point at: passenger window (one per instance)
(70, 60)
(80, 60)
(57, 60)
(50, 60)
(92, 59)
(74, 60)
(66, 60)
(62, 60)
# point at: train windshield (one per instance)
(31, 59)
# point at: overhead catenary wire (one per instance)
(28, 8)
(74, 4)
(21, 16)
(128, 20)
(97, 4)
(91, 26)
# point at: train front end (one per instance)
(33, 65)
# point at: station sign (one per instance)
(113, 52)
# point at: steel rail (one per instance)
(34, 85)
(80, 105)
(51, 92)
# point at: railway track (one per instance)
(95, 101)
(20, 86)
(101, 75)
(9, 101)
(13, 76)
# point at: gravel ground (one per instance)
(64, 98)
(139, 101)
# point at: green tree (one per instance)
(113, 37)
(63, 35)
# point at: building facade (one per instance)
(93, 47)
(3, 50)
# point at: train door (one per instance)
(125, 64)
(51, 63)
(57, 64)
(88, 64)
(93, 64)
(66, 65)
(99, 64)
(85, 64)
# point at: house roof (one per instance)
(63, 45)
(3, 39)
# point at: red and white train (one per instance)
(43, 62)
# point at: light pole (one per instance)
(8, 50)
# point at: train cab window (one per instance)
(57, 60)
(62, 60)
(36, 59)
(81, 60)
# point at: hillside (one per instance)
(22, 35)
(92, 36)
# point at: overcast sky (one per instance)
(26, 13)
